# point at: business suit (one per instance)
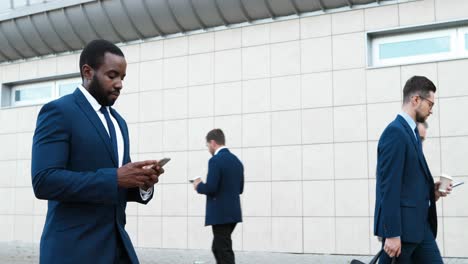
(74, 166)
(405, 200)
(224, 184)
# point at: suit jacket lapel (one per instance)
(123, 129)
(425, 166)
(97, 123)
(409, 131)
(421, 157)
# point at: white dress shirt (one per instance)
(120, 143)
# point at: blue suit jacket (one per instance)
(224, 184)
(404, 188)
(73, 167)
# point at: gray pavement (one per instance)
(15, 253)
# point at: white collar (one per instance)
(219, 149)
(92, 101)
(408, 120)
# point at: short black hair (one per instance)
(417, 85)
(94, 51)
(217, 135)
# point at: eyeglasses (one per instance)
(431, 104)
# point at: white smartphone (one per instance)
(457, 184)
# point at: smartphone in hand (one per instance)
(192, 180)
(161, 163)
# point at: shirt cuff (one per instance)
(145, 195)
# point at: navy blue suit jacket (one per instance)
(224, 184)
(404, 187)
(74, 169)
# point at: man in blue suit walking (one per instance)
(81, 165)
(224, 184)
(405, 209)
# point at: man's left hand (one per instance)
(196, 182)
(438, 193)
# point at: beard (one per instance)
(98, 92)
(420, 118)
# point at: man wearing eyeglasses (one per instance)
(405, 211)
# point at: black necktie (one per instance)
(418, 138)
(110, 126)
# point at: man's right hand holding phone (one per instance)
(143, 174)
(157, 167)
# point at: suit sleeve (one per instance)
(133, 195)
(50, 154)
(242, 181)
(211, 186)
(392, 150)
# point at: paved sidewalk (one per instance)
(13, 253)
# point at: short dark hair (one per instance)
(217, 135)
(417, 85)
(94, 51)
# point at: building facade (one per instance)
(302, 99)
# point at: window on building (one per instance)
(463, 36)
(32, 94)
(42, 92)
(466, 41)
(394, 48)
(67, 87)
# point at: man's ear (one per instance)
(87, 71)
(414, 99)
